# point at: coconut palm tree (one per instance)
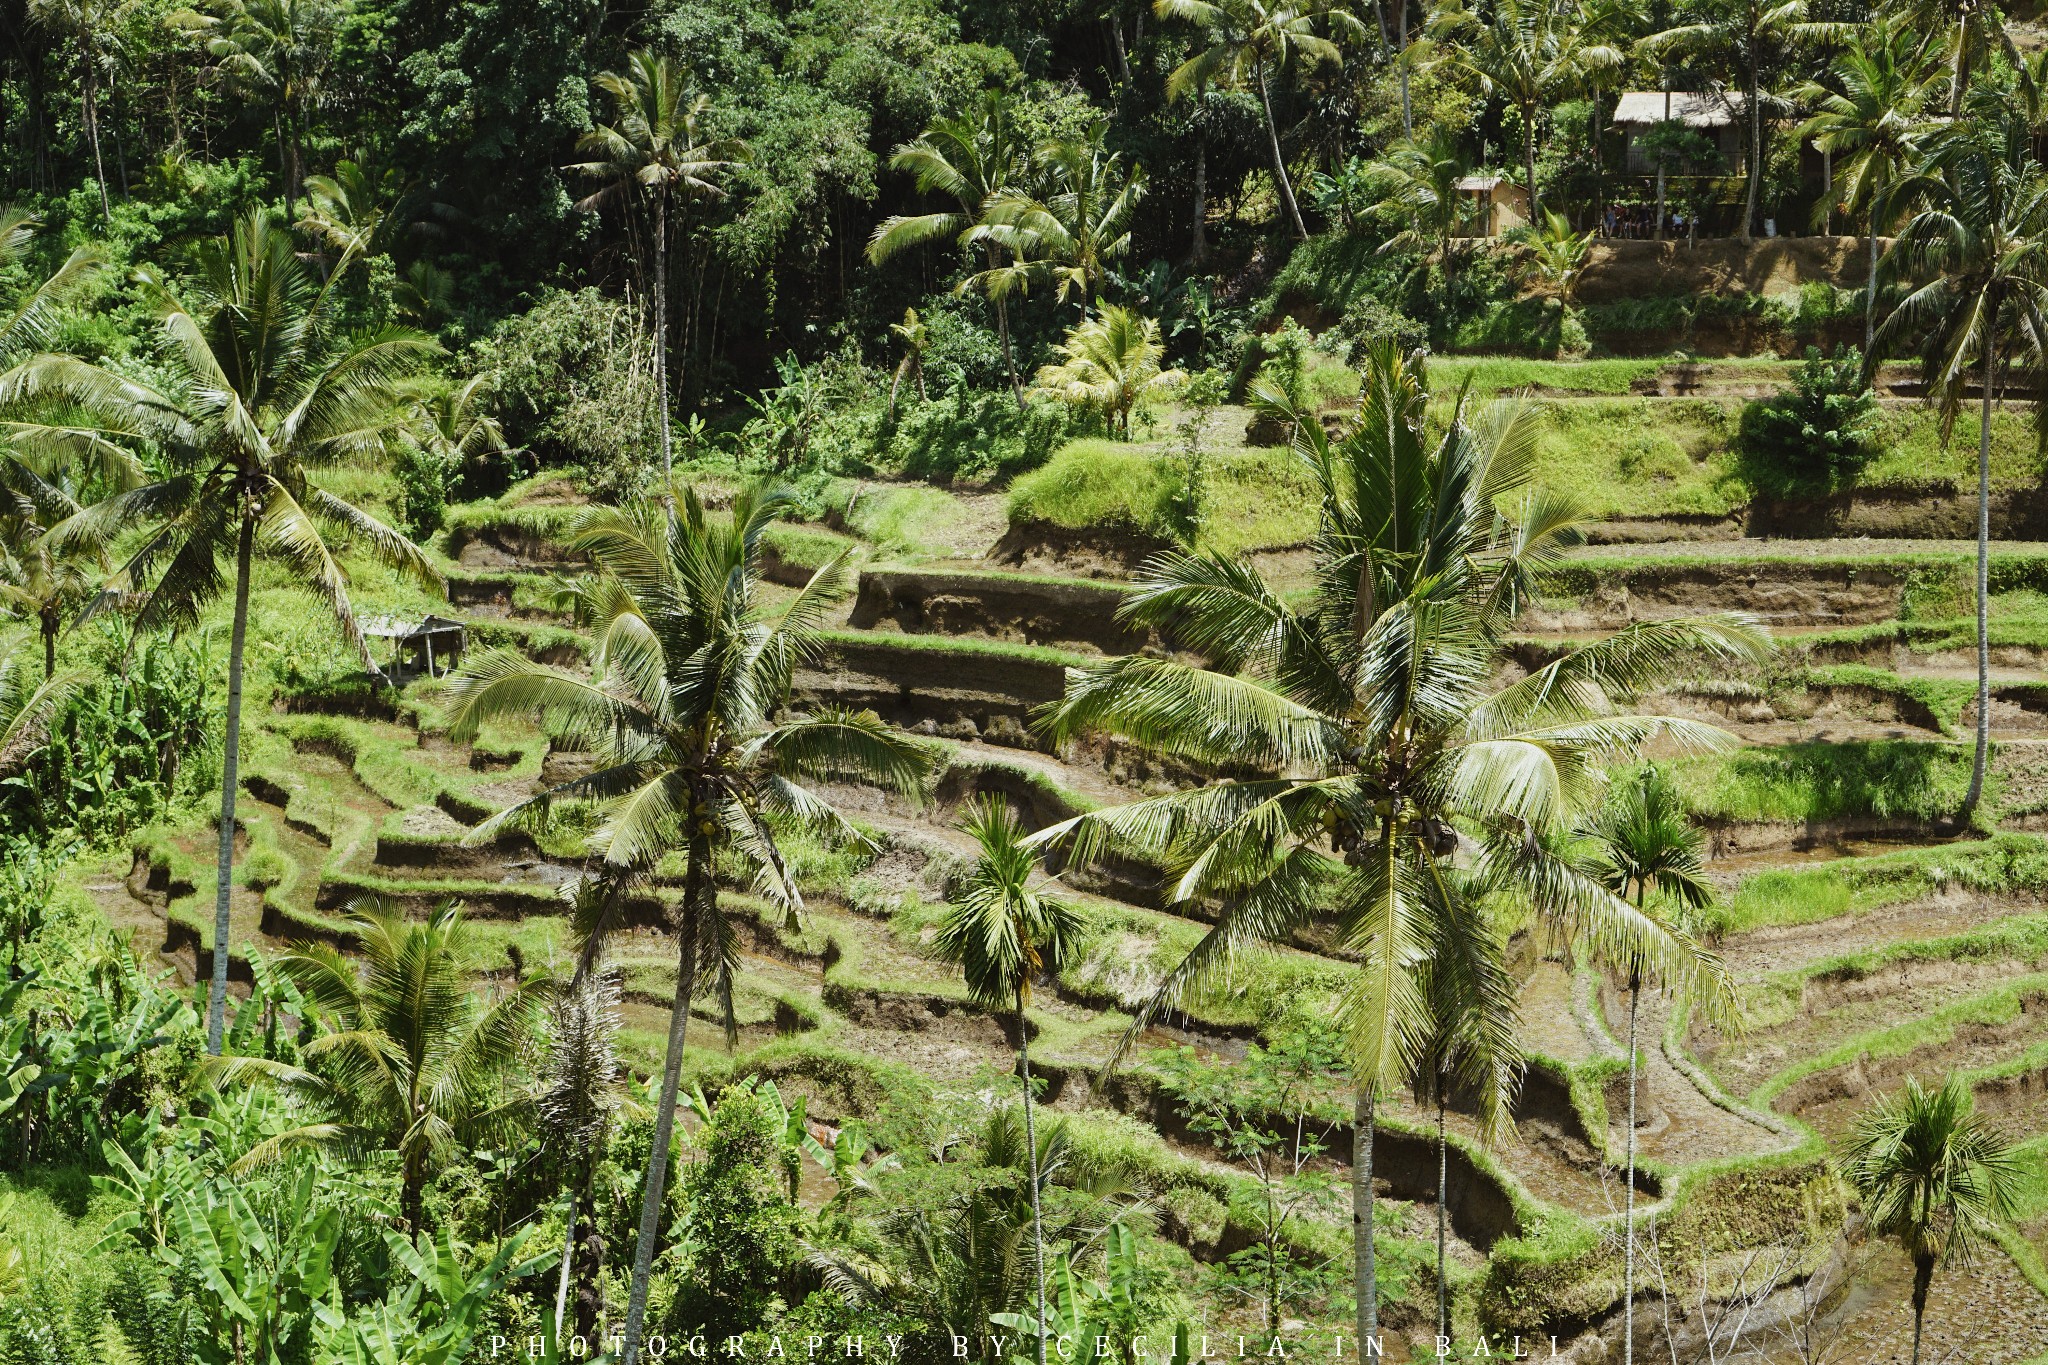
(1529, 53)
(1933, 1176)
(355, 211)
(1373, 710)
(689, 666)
(971, 159)
(1756, 38)
(1971, 31)
(261, 394)
(1466, 1044)
(1005, 932)
(1557, 256)
(1644, 843)
(1111, 365)
(40, 585)
(1876, 120)
(1981, 242)
(1417, 185)
(656, 150)
(1252, 44)
(274, 51)
(28, 323)
(1076, 222)
(409, 1058)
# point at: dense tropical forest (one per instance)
(952, 680)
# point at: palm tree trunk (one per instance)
(231, 755)
(1628, 1256)
(1870, 298)
(1529, 163)
(1031, 1147)
(1365, 1273)
(1401, 69)
(661, 334)
(1983, 577)
(1443, 1287)
(89, 100)
(1279, 162)
(49, 644)
(698, 885)
(562, 1284)
(1003, 331)
(1955, 110)
(1198, 238)
(1923, 1275)
(1756, 161)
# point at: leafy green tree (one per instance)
(1005, 932)
(1558, 256)
(93, 26)
(1111, 366)
(1253, 43)
(1530, 53)
(261, 394)
(1981, 243)
(408, 1058)
(656, 150)
(1876, 120)
(1974, 33)
(580, 1094)
(1643, 844)
(688, 669)
(915, 338)
(743, 1227)
(1824, 426)
(972, 159)
(275, 51)
(1931, 1175)
(1373, 707)
(1074, 223)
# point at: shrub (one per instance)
(1820, 429)
(1098, 483)
(970, 434)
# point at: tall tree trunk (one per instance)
(231, 755)
(49, 623)
(1756, 161)
(1443, 1187)
(562, 1285)
(1529, 164)
(1401, 69)
(1198, 240)
(89, 99)
(661, 337)
(1870, 299)
(1983, 572)
(1661, 156)
(697, 887)
(1123, 58)
(1003, 332)
(1031, 1162)
(1628, 1257)
(1923, 1276)
(1365, 1271)
(1955, 110)
(1279, 162)
(1599, 163)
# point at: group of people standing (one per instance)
(1636, 221)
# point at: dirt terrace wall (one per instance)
(961, 694)
(1781, 592)
(1020, 610)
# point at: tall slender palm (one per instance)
(1253, 43)
(1933, 1176)
(1373, 708)
(1983, 238)
(1529, 53)
(1076, 221)
(1005, 932)
(1466, 1043)
(41, 585)
(1644, 844)
(1757, 38)
(1972, 32)
(689, 667)
(92, 25)
(656, 150)
(275, 51)
(262, 394)
(971, 159)
(1876, 120)
(1417, 185)
(409, 1058)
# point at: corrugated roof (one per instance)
(1694, 108)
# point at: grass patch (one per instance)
(2006, 863)
(1883, 779)
(1487, 375)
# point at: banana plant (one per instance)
(430, 1315)
(263, 1274)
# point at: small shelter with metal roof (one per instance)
(435, 643)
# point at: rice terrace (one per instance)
(939, 680)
